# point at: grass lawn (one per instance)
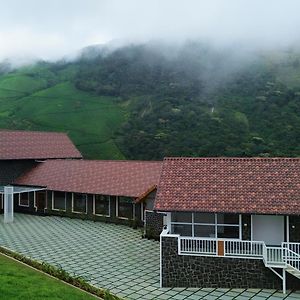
(20, 282)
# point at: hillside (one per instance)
(44, 98)
(147, 102)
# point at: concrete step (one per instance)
(293, 272)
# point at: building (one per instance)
(49, 177)
(230, 222)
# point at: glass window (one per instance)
(24, 199)
(207, 218)
(181, 217)
(183, 230)
(204, 231)
(102, 204)
(59, 200)
(228, 219)
(228, 232)
(125, 207)
(79, 202)
(1, 201)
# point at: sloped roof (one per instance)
(240, 185)
(36, 145)
(118, 178)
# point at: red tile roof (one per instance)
(36, 145)
(240, 185)
(118, 178)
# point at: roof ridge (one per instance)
(232, 158)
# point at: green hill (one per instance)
(40, 99)
(147, 102)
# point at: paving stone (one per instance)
(111, 256)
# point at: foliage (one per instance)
(151, 101)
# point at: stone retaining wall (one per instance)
(216, 272)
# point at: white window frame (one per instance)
(94, 207)
(86, 200)
(215, 224)
(19, 202)
(59, 209)
(117, 210)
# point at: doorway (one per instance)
(40, 201)
(268, 228)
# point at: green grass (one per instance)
(31, 100)
(18, 281)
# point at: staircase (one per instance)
(286, 257)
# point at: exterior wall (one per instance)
(154, 223)
(90, 211)
(10, 170)
(24, 209)
(294, 229)
(246, 227)
(216, 272)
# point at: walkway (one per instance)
(110, 256)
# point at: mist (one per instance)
(50, 30)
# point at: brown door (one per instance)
(40, 200)
(221, 249)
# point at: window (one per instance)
(1, 201)
(79, 203)
(208, 225)
(125, 208)
(24, 199)
(102, 205)
(58, 200)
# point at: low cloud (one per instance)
(52, 29)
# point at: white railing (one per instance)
(273, 255)
(190, 245)
(291, 258)
(295, 247)
(243, 248)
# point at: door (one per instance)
(40, 201)
(269, 229)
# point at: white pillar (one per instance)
(8, 204)
(283, 281)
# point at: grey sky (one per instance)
(51, 28)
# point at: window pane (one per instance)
(204, 231)
(24, 199)
(59, 200)
(102, 205)
(184, 230)
(181, 217)
(79, 204)
(228, 219)
(228, 232)
(204, 218)
(125, 207)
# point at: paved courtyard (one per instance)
(109, 256)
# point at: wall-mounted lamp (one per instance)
(245, 224)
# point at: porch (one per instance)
(232, 236)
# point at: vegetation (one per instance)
(151, 101)
(20, 282)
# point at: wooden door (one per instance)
(221, 250)
(40, 200)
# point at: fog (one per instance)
(52, 29)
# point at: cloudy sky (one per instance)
(49, 29)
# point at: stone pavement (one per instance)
(110, 256)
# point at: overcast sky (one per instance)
(49, 29)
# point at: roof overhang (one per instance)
(22, 189)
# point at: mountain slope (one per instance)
(149, 101)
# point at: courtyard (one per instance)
(110, 256)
